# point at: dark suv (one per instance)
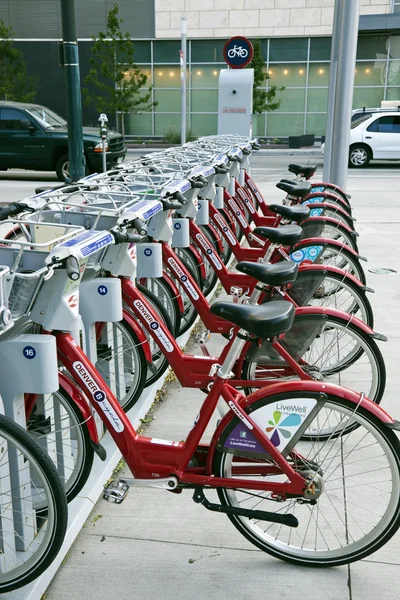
(34, 137)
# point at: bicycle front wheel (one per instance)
(29, 537)
(356, 475)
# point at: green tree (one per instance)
(263, 100)
(114, 76)
(15, 84)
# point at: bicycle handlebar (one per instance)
(168, 205)
(221, 170)
(127, 238)
(140, 226)
(12, 209)
(180, 198)
(72, 266)
(197, 184)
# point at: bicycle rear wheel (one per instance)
(356, 477)
(328, 349)
(330, 255)
(33, 508)
(332, 290)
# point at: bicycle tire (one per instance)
(321, 466)
(307, 330)
(57, 510)
(329, 289)
(81, 453)
(330, 255)
(160, 362)
(131, 355)
(325, 229)
(161, 294)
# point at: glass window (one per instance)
(162, 123)
(259, 125)
(146, 70)
(208, 50)
(372, 46)
(359, 118)
(166, 51)
(138, 124)
(10, 119)
(316, 124)
(369, 97)
(318, 74)
(204, 124)
(168, 100)
(142, 52)
(206, 76)
(293, 100)
(370, 73)
(393, 93)
(285, 125)
(288, 49)
(385, 125)
(393, 72)
(287, 74)
(205, 100)
(394, 46)
(168, 76)
(320, 48)
(317, 100)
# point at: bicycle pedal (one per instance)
(116, 491)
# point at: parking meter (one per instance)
(103, 134)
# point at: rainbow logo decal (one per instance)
(279, 429)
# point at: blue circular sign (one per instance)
(29, 352)
(103, 290)
(99, 396)
(154, 325)
(178, 225)
(148, 252)
(238, 52)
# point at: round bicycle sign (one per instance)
(238, 52)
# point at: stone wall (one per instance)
(253, 18)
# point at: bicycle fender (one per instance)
(321, 241)
(327, 195)
(331, 190)
(334, 312)
(333, 221)
(143, 341)
(334, 207)
(317, 387)
(175, 292)
(199, 260)
(10, 233)
(80, 400)
(331, 269)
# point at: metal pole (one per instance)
(344, 92)
(73, 91)
(183, 80)
(104, 156)
(332, 89)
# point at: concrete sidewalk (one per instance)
(160, 545)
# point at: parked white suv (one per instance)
(374, 136)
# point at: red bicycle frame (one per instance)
(148, 458)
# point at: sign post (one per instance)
(235, 97)
(183, 80)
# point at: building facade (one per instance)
(295, 41)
